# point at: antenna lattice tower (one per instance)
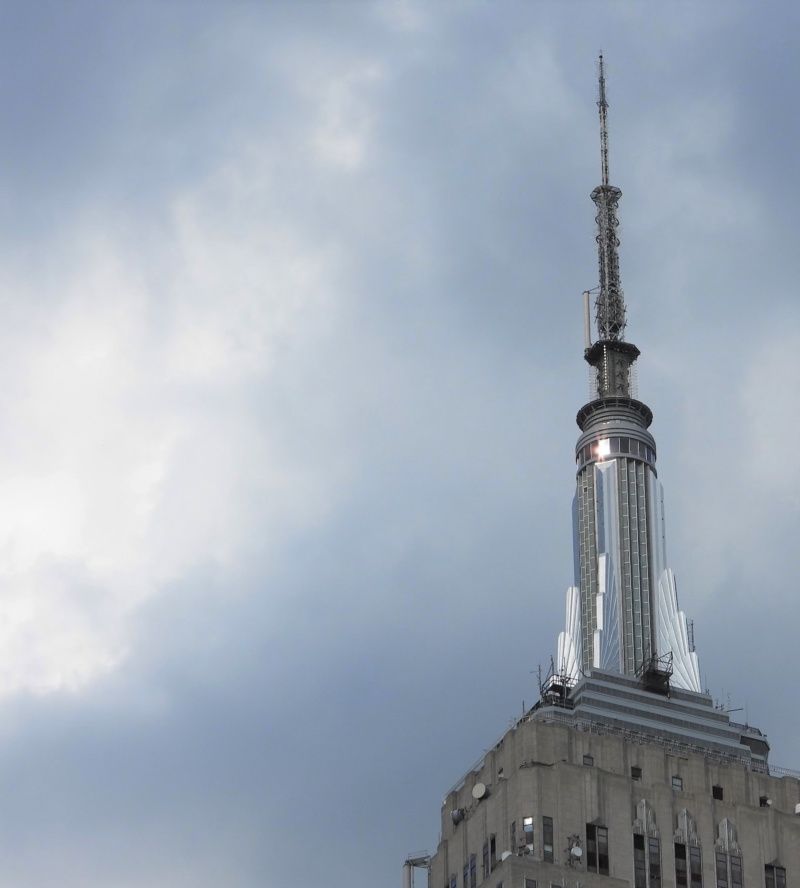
(610, 305)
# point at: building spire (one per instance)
(610, 305)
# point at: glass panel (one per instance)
(654, 853)
(527, 827)
(602, 850)
(624, 445)
(547, 838)
(736, 872)
(780, 877)
(722, 870)
(680, 865)
(639, 864)
(591, 847)
(696, 867)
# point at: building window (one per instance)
(588, 760)
(654, 858)
(647, 863)
(716, 792)
(454, 881)
(736, 872)
(729, 870)
(722, 870)
(485, 859)
(695, 867)
(636, 773)
(639, 863)
(597, 849)
(763, 801)
(677, 782)
(466, 875)
(473, 871)
(530, 883)
(513, 835)
(681, 871)
(527, 831)
(775, 876)
(547, 839)
(492, 852)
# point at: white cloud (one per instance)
(132, 447)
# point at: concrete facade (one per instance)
(577, 777)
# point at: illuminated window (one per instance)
(603, 448)
(527, 830)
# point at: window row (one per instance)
(610, 447)
(647, 868)
(717, 792)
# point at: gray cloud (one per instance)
(291, 351)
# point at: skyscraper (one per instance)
(624, 773)
(622, 611)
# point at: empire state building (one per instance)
(622, 611)
(624, 773)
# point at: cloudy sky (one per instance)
(291, 350)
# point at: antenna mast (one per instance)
(610, 305)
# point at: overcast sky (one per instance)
(291, 350)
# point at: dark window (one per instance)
(466, 875)
(492, 852)
(681, 873)
(677, 782)
(588, 760)
(485, 859)
(473, 871)
(499, 885)
(591, 847)
(639, 863)
(547, 838)
(597, 849)
(602, 850)
(775, 876)
(636, 773)
(513, 836)
(615, 445)
(716, 792)
(696, 866)
(763, 801)
(454, 881)
(527, 828)
(722, 870)
(530, 883)
(654, 854)
(624, 445)
(736, 871)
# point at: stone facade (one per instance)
(578, 778)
